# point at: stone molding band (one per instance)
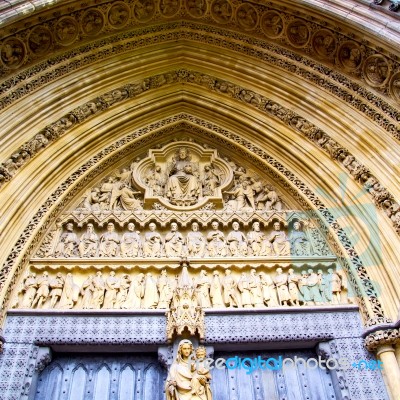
(351, 262)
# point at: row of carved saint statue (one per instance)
(254, 289)
(174, 244)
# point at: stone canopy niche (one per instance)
(182, 176)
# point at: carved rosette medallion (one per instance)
(182, 175)
(246, 16)
(395, 86)
(144, 10)
(12, 53)
(221, 11)
(324, 44)
(118, 15)
(92, 22)
(40, 40)
(196, 8)
(272, 24)
(298, 33)
(66, 31)
(376, 70)
(350, 56)
(169, 8)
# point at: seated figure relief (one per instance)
(183, 186)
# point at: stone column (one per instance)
(391, 370)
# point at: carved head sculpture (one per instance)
(152, 226)
(319, 272)
(90, 227)
(291, 270)
(256, 226)
(185, 349)
(253, 272)
(195, 227)
(235, 226)
(174, 226)
(330, 270)
(131, 227)
(201, 352)
(214, 225)
(110, 227)
(183, 153)
(228, 272)
(277, 226)
(310, 271)
(279, 271)
(296, 226)
(70, 227)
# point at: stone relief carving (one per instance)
(375, 315)
(324, 43)
(376, 70)
(66, 30)
(12, 53)
(92, 22)
(298, 33)
(350, 55)
(246, 16)
(118, 15)
(40, 40)
(257, 288)
(184, 373)
(272, 24)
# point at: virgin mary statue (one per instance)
(185, 381)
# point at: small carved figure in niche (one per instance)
(298, 33)
(258, 243)
(211, 180)
(216, 291)
(268, 290)
(237, 241)
(169, 7)
(124, 284)
(66, 30)
(334, 287)
(70, 293)
(89, 242)
(164, 290)
(174, 242)
(156, 180)
(269, 200)
(216, 242)
(12, 52)
(247, 16)
(272, 24)
(112, 287)
(221, 10)
(203, 285)
(87, 290)
(279, 241)
(324, 43)
(183, 186)
(293, 288)
(68, 243)
(109, 242)
(196, 243)
(39, 40)
(43, 291)
(135, 293)
(29, 289)
(304, 292)
(98, 292)
(197, 8)
(153, 242)
(299, 244)
(258, 189)
(118, 15)
(245, 291)
(350, 55)
(92, 22)
(130, 242)
(313, 284)
(242, 197)
(255, 289)
(143, 10)
(150, 299)
(56, 285)
(281, 281)
(230, 286)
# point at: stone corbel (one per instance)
(327, 350)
